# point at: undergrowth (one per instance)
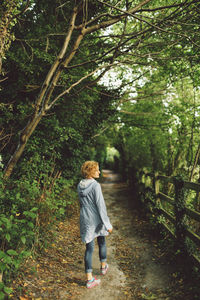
(28, 210)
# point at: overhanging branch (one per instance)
(77, 83)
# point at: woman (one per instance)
(94, 222)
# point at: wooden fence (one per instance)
(177, 219)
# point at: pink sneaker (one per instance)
(104, 270)
(91, 283)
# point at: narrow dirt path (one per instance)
(140, 268)
(136, 249)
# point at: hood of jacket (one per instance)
(85, 186)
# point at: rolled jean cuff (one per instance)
(88, 271)
(103, 260)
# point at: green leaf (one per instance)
(25, 253)
(7, 259)
(2, 254)
(7, 236)
(34, 209)
(9, 224)
(3, 266)
(30, 214)
(12, 252)
(7, 290)
(16, 264)
(17, 196)
(149, 297)
(30, 224)
(23, 239)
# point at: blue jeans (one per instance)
(89, 251)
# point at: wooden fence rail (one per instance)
(181, 230)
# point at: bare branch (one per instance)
(76, 83)
(47, 45)
(126, 12)
(152, 25)
(139, 114)
(144, 126)
(6, 138)
(42, 37)
(23, 11)
(142, 98)
(102, 131)
(135, 79)
(166, 31)
(167, 6)
(95, 20)
(1, 80)
(56, 74)
(57, 62)
(98, 92)
(116, 19)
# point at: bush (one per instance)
(27, 210)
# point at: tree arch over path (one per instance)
(130, 41)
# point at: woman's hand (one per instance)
(109, 230)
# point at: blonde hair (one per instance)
(88, 168)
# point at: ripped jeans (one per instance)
(89, 251)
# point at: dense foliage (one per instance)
(59, 107)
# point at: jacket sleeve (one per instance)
(100, 203)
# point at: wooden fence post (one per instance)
(156, 184)
(180, 211)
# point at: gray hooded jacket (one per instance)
(93, 214)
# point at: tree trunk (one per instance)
(41, 105)
(24, 137)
